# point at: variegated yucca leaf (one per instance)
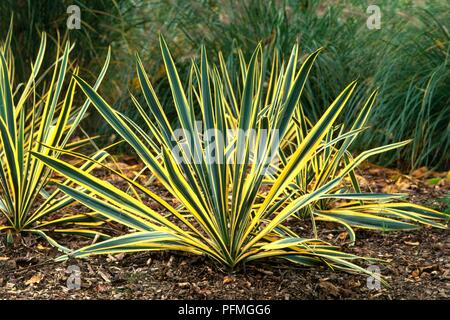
(233, 209)
(33, 118)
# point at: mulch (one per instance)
(417, 264)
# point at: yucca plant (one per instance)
(347, 206)
(411, 72)
(35, 116)
(234, 197)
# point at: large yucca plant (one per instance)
(33, 117)
(232, 209)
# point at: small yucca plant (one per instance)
(235, 198)
(345, 204)
(34, 118)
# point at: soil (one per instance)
(417, 265)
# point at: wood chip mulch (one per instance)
(417, 264)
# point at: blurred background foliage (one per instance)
(407, 59)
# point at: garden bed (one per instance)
(418, 268)
(417, 264)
